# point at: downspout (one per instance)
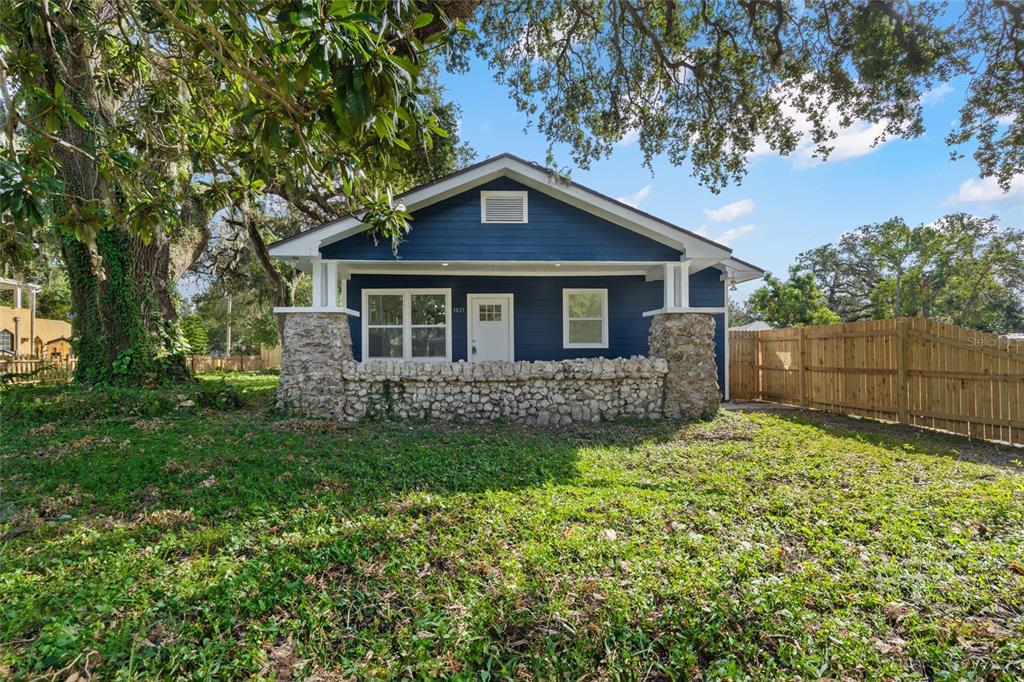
(726, 280)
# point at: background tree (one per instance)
(123, 115)
(710, 81)
(740, 313)
(194, 330)
(793, 303)
(962, 269)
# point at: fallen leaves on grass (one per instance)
(169, 518)
(298, 425)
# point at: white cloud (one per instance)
(858, 139)
(734, 233)
(730, 211)
(936, 94)
(635, 198)
(986, 190)
(728, 236)
(629, 138)
(1006, 119)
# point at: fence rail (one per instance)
(226, 363)
(910, 370)
(28, 369)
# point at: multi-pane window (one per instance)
(585, 318)
(6, 341)
(413, 325)
(490, 312)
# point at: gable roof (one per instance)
(534, 176)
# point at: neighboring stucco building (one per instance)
(22, 333)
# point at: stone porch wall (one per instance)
(555, 392)
(320, 378)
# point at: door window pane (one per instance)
(490, 312)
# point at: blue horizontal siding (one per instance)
(538, 310)
(451, 230)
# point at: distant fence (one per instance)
(910, 370)
(268, 358)
(28, 369)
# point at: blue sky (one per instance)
(784, 205)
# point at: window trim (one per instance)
(485, 194)
(566, 293)
(407, 325)
(8, 334)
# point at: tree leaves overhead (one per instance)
(329, 91)
(712, 82)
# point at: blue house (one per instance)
(507, 261)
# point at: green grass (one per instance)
(241, 543)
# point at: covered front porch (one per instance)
(485, 310)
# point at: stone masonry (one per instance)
(314, 347)
(320, 378)
(687, 342)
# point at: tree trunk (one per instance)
(123, 289)
(284, 291)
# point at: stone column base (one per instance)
(314, 347)
(687, 342)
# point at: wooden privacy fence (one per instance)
(28, 369)
(910, 370)
(224, 363)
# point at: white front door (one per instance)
(490, 327)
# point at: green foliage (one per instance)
(707, 84)
(79, 403)
(962, 269)
(127, 128)
(194, 330)
(793, 303)
(236, 544)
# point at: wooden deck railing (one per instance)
(911, 370)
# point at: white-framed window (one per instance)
(6, 341)
(584, 318)
(407, 324)
(506, 206)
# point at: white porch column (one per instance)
(670, 286)
(317, 273)
(683, 276)
(17, 297)
(677, 285)
(331, 299)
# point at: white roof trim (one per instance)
(534, 177)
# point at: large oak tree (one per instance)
(127, 123)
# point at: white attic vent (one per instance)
(503, 207)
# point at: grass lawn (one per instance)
(236, 543)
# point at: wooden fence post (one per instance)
(757, 368)
(901, 371)
(802, 359)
